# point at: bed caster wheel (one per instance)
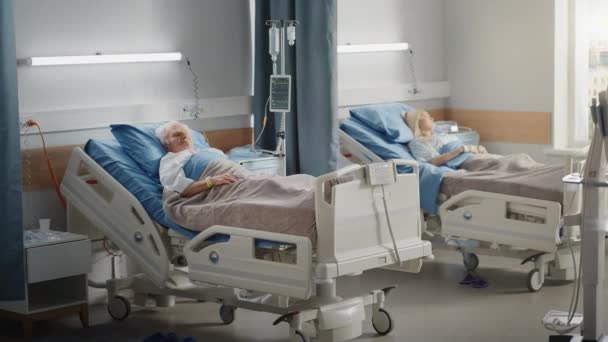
(470, 261)
(534, 280)
(227, 314)
(382, 322)
(299, 336)
(119, 307)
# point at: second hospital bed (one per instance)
(489, 223)
(105, 189)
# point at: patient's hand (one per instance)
(477, 149)
(224, 179)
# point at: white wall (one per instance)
(418, 22)
(75, 103)
(213, 34)
(500, 56)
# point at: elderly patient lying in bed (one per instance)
(202, 188)
(517, 175)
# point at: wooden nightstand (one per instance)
(56, 279)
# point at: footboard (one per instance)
(115, 211)
(237, 262)
(362, 226)
(508, 220)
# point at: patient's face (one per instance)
(178, 140)
(426, 122)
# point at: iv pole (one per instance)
(276, 34)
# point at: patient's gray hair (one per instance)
(162, 132)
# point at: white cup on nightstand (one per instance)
(44, 224)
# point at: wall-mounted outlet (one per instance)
(23, 119)
(189, 111)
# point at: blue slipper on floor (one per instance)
(468, 280)
(479, 284)
(474, 281)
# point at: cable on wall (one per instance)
(27, 170)
(49, 164)
(412, 70)
(196, 112)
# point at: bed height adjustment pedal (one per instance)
(381, 173)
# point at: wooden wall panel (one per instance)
(438, 114)
(226, 139)
(505, 126)
(37, 176)
(60, 155)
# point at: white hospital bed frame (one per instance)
(352, 237)
(486, 223)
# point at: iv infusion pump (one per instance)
(280, 93)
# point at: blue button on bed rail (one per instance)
(214, 257)
(467, 216)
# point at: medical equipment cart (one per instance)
(593, 220)
(55, 285)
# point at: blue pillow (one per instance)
(141, 144)
(385, 119)
(374, 141)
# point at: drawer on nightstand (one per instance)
(273, 171)
(260, 163)
(58, 261)
(268, 166)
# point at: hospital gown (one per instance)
(427, 148)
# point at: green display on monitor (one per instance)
(280, 93)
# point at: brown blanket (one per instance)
(516, 175)
(275, 204)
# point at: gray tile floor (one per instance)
(429, 306)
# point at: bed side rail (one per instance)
(116, 212)
(503, 219)
(235, 262)
(354, 147)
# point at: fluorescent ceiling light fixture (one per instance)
(356, 48)
(103, 59)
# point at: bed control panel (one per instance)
(381, 173)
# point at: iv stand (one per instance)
(281, 148)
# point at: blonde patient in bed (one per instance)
(516, 174)
(427, 145)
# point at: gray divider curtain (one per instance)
(11, 230)
(312, 125)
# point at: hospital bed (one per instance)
(486, 223)
(235, 267)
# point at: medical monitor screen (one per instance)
(280, 93)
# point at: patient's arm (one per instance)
(206, 184)
(446, 157)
